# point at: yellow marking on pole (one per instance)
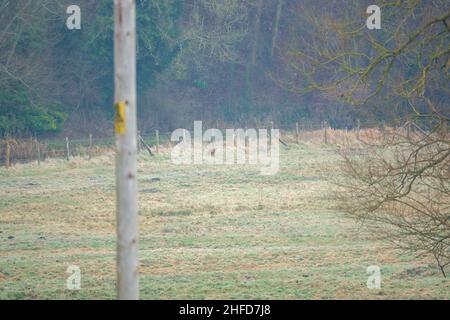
(120, 117)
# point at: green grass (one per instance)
(206, 232)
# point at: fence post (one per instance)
(67, 149)
(138, 145)
(443, 128)
(38, 149)
(246, 142)
(157, 141)
(325, 136)
(90, 146)
(297, 132)
(30, 151)
(408, 130)
(357, 129)
(321, 127)
(270, 132)
(7, 155)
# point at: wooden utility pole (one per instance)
(126, 144)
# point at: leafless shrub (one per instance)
(401, 186)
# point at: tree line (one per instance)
(232, 61)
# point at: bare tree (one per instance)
(400, 183)
(407, 62)
(401, 186)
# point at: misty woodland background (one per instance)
(237, 62)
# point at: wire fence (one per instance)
(14, 151)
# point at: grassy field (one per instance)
(206, 232)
